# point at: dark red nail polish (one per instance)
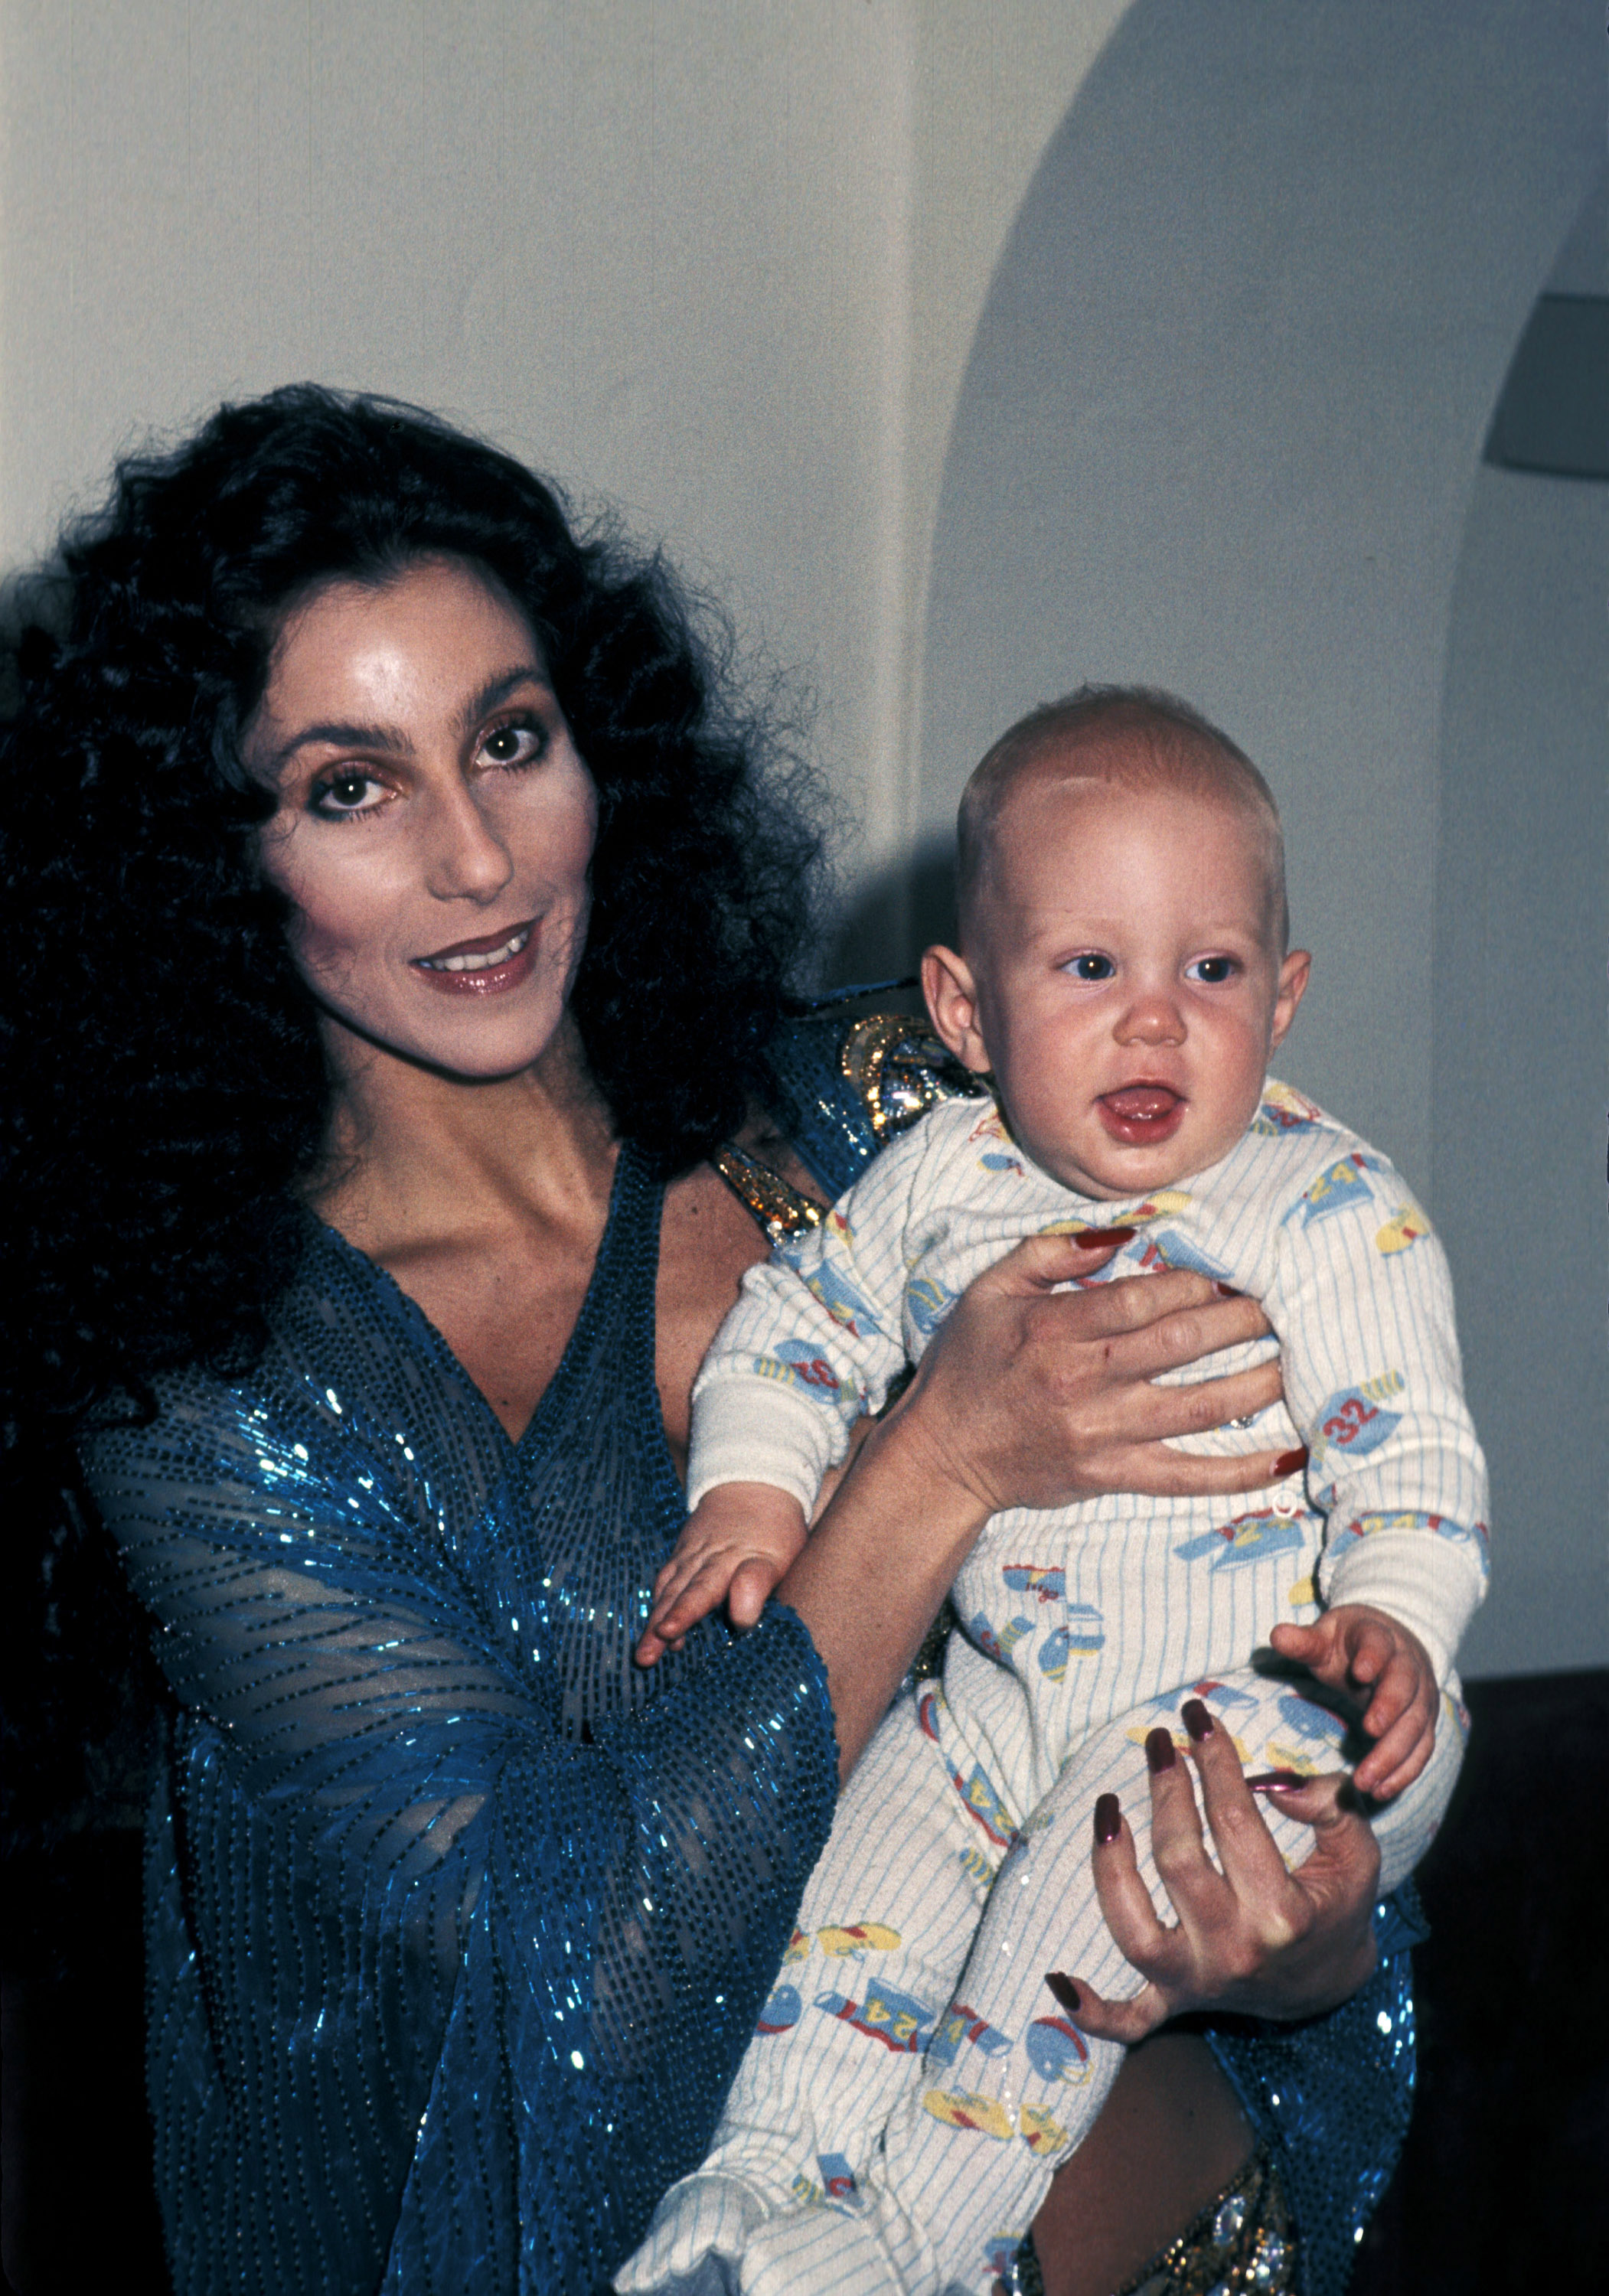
(1158, 1751)
(1197, 1721)
(1277, 1782)
(1092, 1236)
(1065, 1989)
(1224, 1291)
(1108, 1818)
(1289, 1462)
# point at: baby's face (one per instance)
(1125, 991)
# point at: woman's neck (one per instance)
(417, 1161)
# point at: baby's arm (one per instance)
(1363, 1306)
(734, 1546)
(811, 1345)
(1356, 1648)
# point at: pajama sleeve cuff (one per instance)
(751, 1430)
(1431, 1582)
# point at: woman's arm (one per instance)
(537, 1961)
(1029, 1397)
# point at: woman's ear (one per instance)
(1292, 987)
(952, 1005)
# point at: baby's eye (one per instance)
(1211, 971)
(349, 791)
(523, 742)
(1091, 966)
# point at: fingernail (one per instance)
(1108, 1818)
(1277, 1782)
(1065, 1989)
(1197, 1721)
(1158, 1751)
(1092, 1236)
(1224, 1291)
(1289, 1462)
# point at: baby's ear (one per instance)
(952, 1005)
(1292, 987)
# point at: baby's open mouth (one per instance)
(1141, 1104)
(1137, 1115)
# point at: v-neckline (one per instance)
(523, 1445)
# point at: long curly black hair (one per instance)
(164, 1085)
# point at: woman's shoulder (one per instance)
(853, 1070)
(345, 1352)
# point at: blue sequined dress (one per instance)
(454, 1933)
(457, 1923)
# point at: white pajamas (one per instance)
(912, 2084)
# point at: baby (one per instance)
(1122, 980)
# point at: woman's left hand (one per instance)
(1251, 1938)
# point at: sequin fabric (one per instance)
(1330, 2098)
(1243, 2243)
(1333, 2097)
(457, 1922)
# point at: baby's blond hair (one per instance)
(1135, 737)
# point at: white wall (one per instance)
(719, 260)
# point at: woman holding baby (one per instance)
(399, 928)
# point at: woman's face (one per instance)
(435, 822)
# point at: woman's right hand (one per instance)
(1028, 1397)
(1250, 1937)
(1034, 1396)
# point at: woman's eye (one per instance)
(349, 791)
(522, 743)
(1211, 971)
(1091, 966)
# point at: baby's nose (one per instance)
(1151, 1019)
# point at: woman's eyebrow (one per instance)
(343, 734)
(498, 689)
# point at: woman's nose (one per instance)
(1151, 1020)
(468, 860)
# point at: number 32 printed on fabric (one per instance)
(1352, 1420)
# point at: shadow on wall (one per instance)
(894, 916)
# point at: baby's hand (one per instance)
(734, 1546)
(1356, 1648)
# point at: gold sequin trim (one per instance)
(901, 1069)
(779, 1208)
(1243, 2243)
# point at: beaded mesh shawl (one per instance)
(457, 1922)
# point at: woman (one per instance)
(399, 927)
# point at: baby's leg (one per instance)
(881, 1936)
(1010, 2087)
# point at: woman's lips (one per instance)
(1142, 1115)
(481, 968)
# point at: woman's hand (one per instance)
(1031, 1397)
(1253, 1938)
(1028, 1397)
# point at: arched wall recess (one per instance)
(1220, 431)
(1522, 929)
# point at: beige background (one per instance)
(963, 349)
